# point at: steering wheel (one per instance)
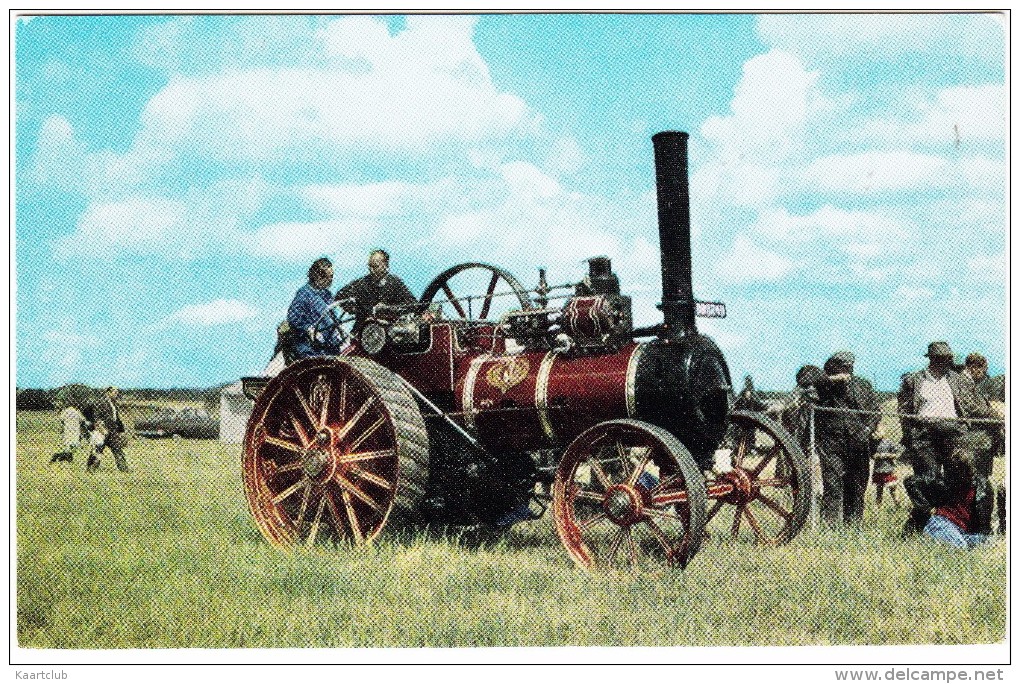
(470, 277)
(330, 321)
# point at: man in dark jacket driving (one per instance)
(378, 287)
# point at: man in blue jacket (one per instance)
(313, 324)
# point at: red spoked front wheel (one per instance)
(333, 446)
(765, 496)
(628, 495)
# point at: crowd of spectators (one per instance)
(951, 433)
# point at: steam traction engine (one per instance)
(444, 413)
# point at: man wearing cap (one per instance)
(794, 411)
(931, 404)
(843, 437)
(976, 366)
(989, 437)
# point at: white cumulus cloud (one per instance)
(63, 349)
(880, 36)
(216, 312)
(159, 45)
(989, 268)
(875, 171)
(829, 222)
(959, 117)
(566, 156)
(294, 241)
(755, 148)
(528, 181)
(378, 199)
(770, 106)
(354, 99)
(749, 263)
(402, 93)
(911, 294)
(58, 156)
(134, 224)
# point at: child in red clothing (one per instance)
(883, 475)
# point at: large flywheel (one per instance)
(335, 448)
(502, 291)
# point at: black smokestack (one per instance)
(674, 232)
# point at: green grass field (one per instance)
(169, 557)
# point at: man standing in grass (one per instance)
(931, 404)
(844, 438)
(107, 411)
(989, 437)
(794, 412)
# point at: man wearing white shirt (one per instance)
(931, 402)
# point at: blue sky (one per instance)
(176, 175)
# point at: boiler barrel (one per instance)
(537, 400)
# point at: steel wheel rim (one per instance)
(320, 456)
(768, 486)
(645, 524)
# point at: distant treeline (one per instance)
(174, 394)
(34, 399)
(42, 399)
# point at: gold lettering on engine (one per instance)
(507, 372)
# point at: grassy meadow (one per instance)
(168, 557)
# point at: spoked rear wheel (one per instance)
(628, 495)
(334, 446)
(764, 498)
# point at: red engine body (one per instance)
(520, 401)
(502, 395)
(513, 398)
(534, 400)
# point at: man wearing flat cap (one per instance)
(932, 403)
(844, 438)
(989, 438)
